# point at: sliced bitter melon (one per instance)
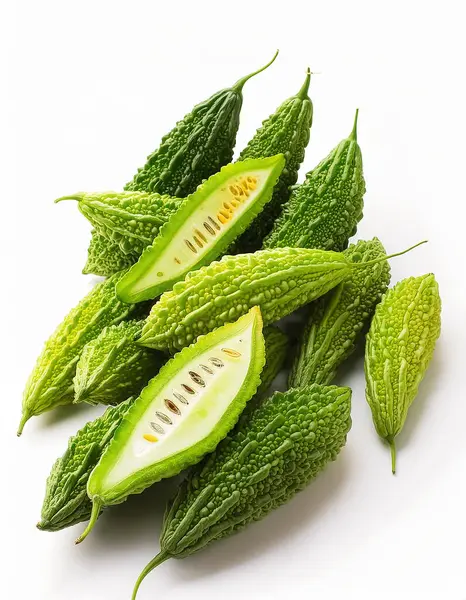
(204, 226)
(182, 414)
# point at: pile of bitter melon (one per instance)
(201, 257)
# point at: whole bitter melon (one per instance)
(399, 347)
(113, 367)
(198, 146)
(287, 132)
(66, 501)
(104, 258)
(261, 465)
(336, 320)
(324, 211)
(51, 381)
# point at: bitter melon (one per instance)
(129, 219)
(399, 347)
(287, 132)
(197, 147)
(51, 381)
(278, 281)
(257, 468)
(182, 414)
(324, 211)
(113, 367)
(104, 258)
(337, 319)
(66, 501)
(203, 227)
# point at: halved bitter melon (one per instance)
(182, 414)
(203, 227)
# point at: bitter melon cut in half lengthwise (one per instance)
(182, 414)
(198, 146)
(203, 227)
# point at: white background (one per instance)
(92, 86)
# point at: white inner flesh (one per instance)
(205, 409)
(178, 256)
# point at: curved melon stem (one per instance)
(240, 83)
(303, 92)
(96, 508)
(78, 197)
(363, 265)
(391, 441)
(24, 418)
(354, 133)
(155, 562)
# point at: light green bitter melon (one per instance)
(399, 347)
(129, 219)
(278, 281)
(182, 414)
(324, 211)
(104, 258)
(66, 501)
(203, 227)
(51, 381)
(287, 132)
(336, 320)
(198, 146)
(261, 465)
(113, 367)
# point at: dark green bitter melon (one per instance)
(261, 465)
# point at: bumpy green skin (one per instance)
(324, 211)
(276, 349)
(129, 219)
(66, 502)
(104, 258)
(337, 319)
(198, 146)
(287, 132)
(399, 347)
(51, 381)
(278, 281)
(112, 366)
(257, 468)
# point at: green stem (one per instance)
(303, 92)
(155, 562)
(354, 134)
(363, 265)
(391, 441)
(24, 418)
(240, 83)
(96, 508)
(77, 197)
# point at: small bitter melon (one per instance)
(51, 381)
(287, 132)
(324, 211)
(261, 465)
(66, 501)
(113, 367)
(182, 414)
(203, 227)
(198, 146)
(399, 347)
(336, 320)
(104, 258)
(278, 281)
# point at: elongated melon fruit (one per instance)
(182, 414)
(203, 227)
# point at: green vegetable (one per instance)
(104, 258)
(336, 320)
(112, 366)
(324, 211)
(204, 226)
(257, 468)
(287, 132)
(197, 147)
(129, 219)
(276, 349)
(182, 414)
(278, 281)
(399, 347)
(66, 501)
(51, 381)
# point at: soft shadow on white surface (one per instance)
(62, 414)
